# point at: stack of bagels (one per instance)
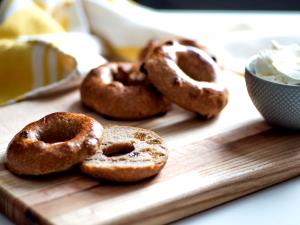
(179, 71)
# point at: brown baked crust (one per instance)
(188, 77)
(154, 43)
(121, 91)
(145, 155)
(54, 143)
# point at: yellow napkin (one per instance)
(26, 66)
(27, 21)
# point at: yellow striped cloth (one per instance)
(26, 66)
(29, 65)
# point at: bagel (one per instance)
(121, 91)
(52, 144)
(187, 76)
(127, 154)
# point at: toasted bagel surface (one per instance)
(127, 154)
(54, 143)
(121, 91)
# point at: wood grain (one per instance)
(210, 162)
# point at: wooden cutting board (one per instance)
(210, 162)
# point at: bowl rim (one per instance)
(249, 71)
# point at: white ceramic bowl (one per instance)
(278, 103)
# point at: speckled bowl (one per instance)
(279, 104)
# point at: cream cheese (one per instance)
(281, 64)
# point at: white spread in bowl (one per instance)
(281, 64)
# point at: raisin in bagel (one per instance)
(54, 143)
(121, 91)
(188, 77)
(127, 154)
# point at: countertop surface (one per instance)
(276, 205)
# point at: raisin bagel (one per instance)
(187, 76)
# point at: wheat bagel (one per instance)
(121, 91)
(52, 144)
(127, 154)
(187, 76)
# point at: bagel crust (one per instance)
(152, 44)
(52, 144)
(121, 91)
(127, 154)
(188, 77)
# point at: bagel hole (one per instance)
(129, 76)
(118, 149)
(59, 133)
(196, 66)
